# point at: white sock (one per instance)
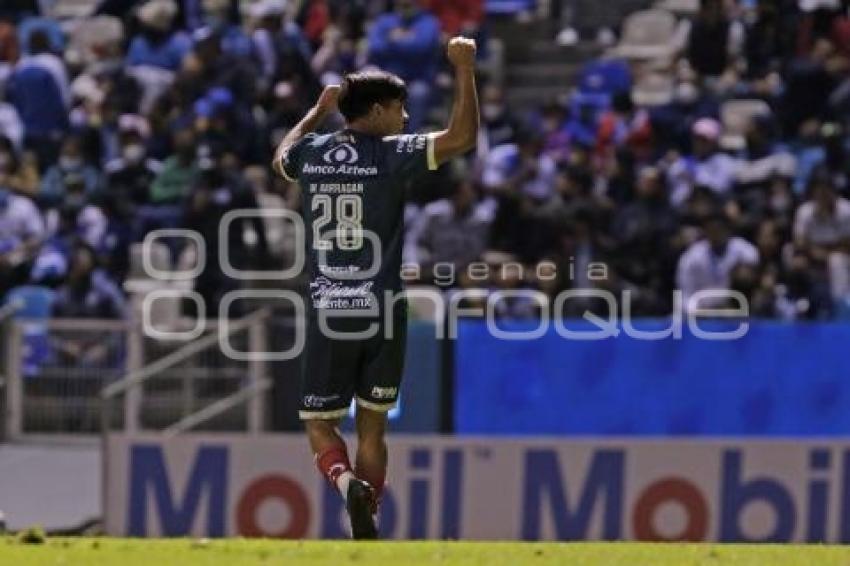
(342, 483)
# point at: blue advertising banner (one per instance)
(776, 379)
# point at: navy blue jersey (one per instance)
(353, 198)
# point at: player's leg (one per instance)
(329, 371)
(330, 452)
(371, 460)
(377, 394)
(327, 387)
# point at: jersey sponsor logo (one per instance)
(410, 143)
(342, 169)
(343, 153)
(327, 294)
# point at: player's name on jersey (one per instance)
(336, 188)
(343, 169)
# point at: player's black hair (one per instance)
(359, 91)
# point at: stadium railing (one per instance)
(64, 377)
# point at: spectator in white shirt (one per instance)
(21, 233)
(452, 231)
(708, 264)
(822, 233)
(707, 167)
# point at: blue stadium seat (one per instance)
(36, 304)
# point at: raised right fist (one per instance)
(461, 51)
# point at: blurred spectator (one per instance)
(178, 172)
(38, 89)
(282, 50)
(498, 124)
(709, 263)
(624, 126)
(89, 292)
(9, 48)
(157, 45)
(406, 42)
(21, 233)
(129, 177)
(75, 220)
(218, 17)
(215, 193)
(714, 40)
(458, 17)
(18, 173)
(822, 233)
(643, 231)
(452, 232)
(522, 166)
(71, 162)
(208, 66)
(217, 115)
(11, 126)
(706, 167)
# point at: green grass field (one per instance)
(240, 552)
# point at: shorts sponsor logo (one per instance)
(318, 401)
(384, 392)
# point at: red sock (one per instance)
(333, 462)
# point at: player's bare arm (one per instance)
(462, 131)
(315, 116)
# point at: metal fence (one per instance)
(78, 377)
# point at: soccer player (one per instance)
(352, 185)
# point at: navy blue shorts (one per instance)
(336, 370)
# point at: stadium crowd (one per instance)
(159, 114)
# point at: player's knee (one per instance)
(321, 428)
(371, 426)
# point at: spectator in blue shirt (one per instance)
(36, 93)
(157, 45)
(87, 293)
(71, 162)
(406, 42)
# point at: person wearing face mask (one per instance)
(70, 161)
(129, 177)
(498, 125)
(406, 42)
(171, 185)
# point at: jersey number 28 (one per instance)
(349, 222)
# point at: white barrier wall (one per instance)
(486, 488)
(56, 486)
